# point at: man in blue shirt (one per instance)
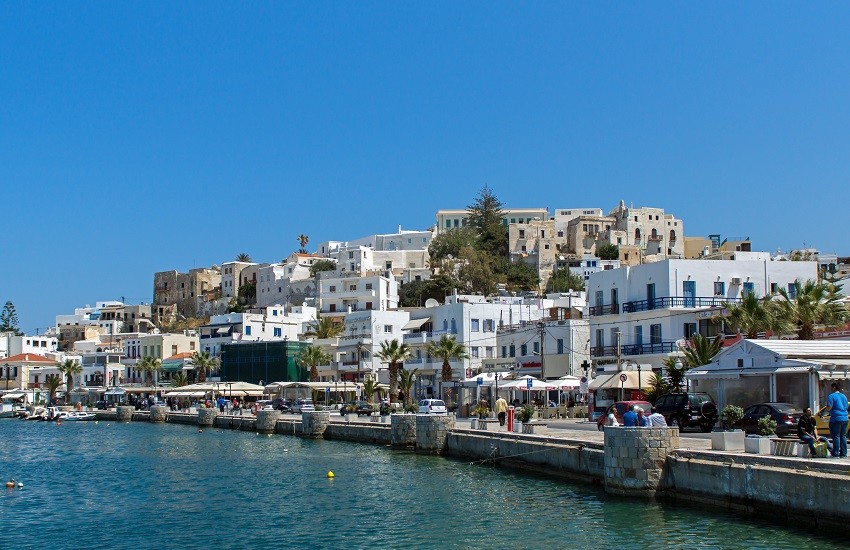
(836, 404)
(631, 417)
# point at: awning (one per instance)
(14, 395)
(613, 381)
(172, 366)
(415, 323)
(115, 391)
(223, 330)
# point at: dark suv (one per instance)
(688, 410)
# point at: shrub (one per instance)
(525, 413)
(767, 426)
(730, 415)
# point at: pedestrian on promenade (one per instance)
(501, 408)
(612, 419)
(807, 431)
(836, 404)
(630, 418)
(656, 419)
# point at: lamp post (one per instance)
(640, 385)
(679, 365)
(7, 375)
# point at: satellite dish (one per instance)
(431, 302)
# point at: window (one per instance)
(474, 325)
(638, 335)
(792, 290)
(535, 347)
(719, 288)
(560, 342)
(475, 351)
(689, 330)
(749, 288)
(352, 288)
(489, 325)
(274, 313)
(513, 350)
(351, 255)
(489, 351)
(368, 305)
(332, 288)
(600, 338)
(173, 350)
(774, 288)
(523, 350)
(504, 351)
(522, 233)
(448, 224)
(655, 334)
(388, 329)
(368, 286)
(247, 330)
(277, 331)
(191, 346)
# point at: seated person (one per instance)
(807, 431)
(630, 418)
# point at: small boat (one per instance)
(79, 416)
(38, 413)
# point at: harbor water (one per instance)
(110, 485)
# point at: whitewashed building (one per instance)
(652, 306)
(340, 293)
(268, 324)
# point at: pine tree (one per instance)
(9, 318)
(485, 217)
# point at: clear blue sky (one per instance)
(144, 136)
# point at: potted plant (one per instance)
(728, 438)
(481, 410)
(522, 417)
(760, 443)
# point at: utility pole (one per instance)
(541, 325)
(619, 361)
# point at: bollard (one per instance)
(158, 413)
(266, 421)
(206, 417)
(510, 421)
(124, 413)
(314, 423)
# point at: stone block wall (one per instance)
(635, 458)
(432, 432)
(125, 414)
(266, 421)
(314, 423)
(403, 430)
(206, 417)
(158, 413)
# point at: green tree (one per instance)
(150, 366)
(302, 241)
(563, 280)
(310, 358)
(243, 257)
(450, 243)
(701, 350)
(812, 303)
(608, 251)
(518, 274)
(324, 327)
(69, 368)
(393, 353)
(406, 381)
(322, 265)
(676, 370)
(754, 315)
(52, 383)
(247, 292)
(204, 364)
(9, 319)
(179, 379)
(475, 271)
(485, 218)
(658, 386)
(370, 387)
(447, 349)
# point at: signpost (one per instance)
(583, 386)
(623, 378)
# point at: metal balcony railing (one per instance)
(676, 301)
(633, 349)
(605, 309)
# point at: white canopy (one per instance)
(536, 385)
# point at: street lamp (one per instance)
(7, 375)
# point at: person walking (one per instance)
(501, 408)
(807, 431)
(836, 404)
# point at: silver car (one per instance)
(432, 406)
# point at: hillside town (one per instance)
(488, 294)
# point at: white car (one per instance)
(303, 405)
(432, 406)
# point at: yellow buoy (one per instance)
(330, 474)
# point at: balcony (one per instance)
(655, 238)
(634, 349)
(422, 337)
(605, 309)
(676, 301)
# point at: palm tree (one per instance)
(393, 353)
(813, 303)
(179, 379)
(675, 374)
(69, 368)
(754, 315)
(52, 382)
(446, 349)
(312, 357)
(370, 386)
(204, 364)
(243, 257)
(324, 327)
(150, 366)
(303, 240)
(701, 350)
(406, 381)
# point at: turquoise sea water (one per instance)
(140, 485)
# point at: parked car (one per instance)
(303, 405)
(822, 422)
(281, 405)
(619, 408)
(432, 406)
(785, 415)
(688, 410)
